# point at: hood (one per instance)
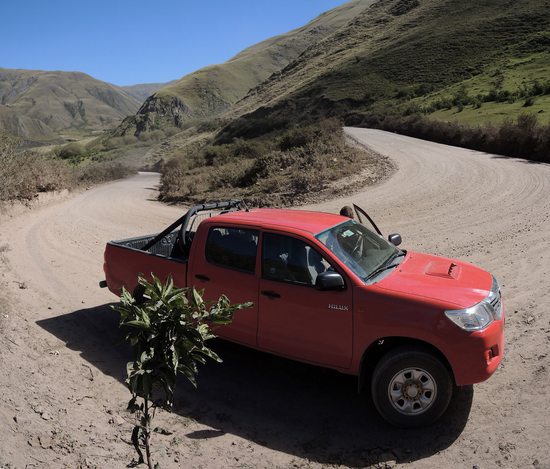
(446, 280)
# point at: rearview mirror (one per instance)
(395, 239)
(329, 281)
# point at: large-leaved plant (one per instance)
(168, 329)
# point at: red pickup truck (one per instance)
(331, 291)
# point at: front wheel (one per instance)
(411, 387)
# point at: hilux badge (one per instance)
(340, 307)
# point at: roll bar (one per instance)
(184, 220)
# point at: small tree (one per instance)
(168, 333)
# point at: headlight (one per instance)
(472, 319)
(479, 316)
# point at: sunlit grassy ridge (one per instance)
(403, 55)
(214, 89)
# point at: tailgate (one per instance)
(123, 264)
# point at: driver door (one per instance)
(296, 319)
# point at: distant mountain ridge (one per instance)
(42, 105)
(143, 90)
(212, 90)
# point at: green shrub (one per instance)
(168, 331)
(298, 137)
(217, 155)
(71, 150)
(529, 101)
(266, 166)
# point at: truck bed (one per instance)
(162, 248)
(124, 261)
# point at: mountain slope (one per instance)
(42, 105)
(212, 90)
(404, 54)
(143, 90)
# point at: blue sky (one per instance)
(127, 42)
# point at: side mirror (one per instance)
(395, 239)
(329, 281)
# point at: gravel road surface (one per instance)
(62, 357)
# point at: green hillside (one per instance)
(52, 106)
(214, 89)
(461, 60)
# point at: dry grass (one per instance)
(284, 168)
(98, 172)
(24, 173)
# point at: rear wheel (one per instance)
(411, 387)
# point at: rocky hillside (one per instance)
(52, 106)
(212, 90)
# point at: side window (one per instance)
(233, 248)
(288, 259)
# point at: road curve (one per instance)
(489, 210)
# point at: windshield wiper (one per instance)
(387, 265)
(395, 256)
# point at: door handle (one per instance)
(202, 277)
(270, 294)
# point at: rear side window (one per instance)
(233, 248)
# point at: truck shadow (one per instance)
(291, 407)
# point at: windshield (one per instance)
(357, 247)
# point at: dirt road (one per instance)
(62, 360)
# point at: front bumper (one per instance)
(477, 357)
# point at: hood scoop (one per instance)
(444, 269)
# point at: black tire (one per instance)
(411, 387)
